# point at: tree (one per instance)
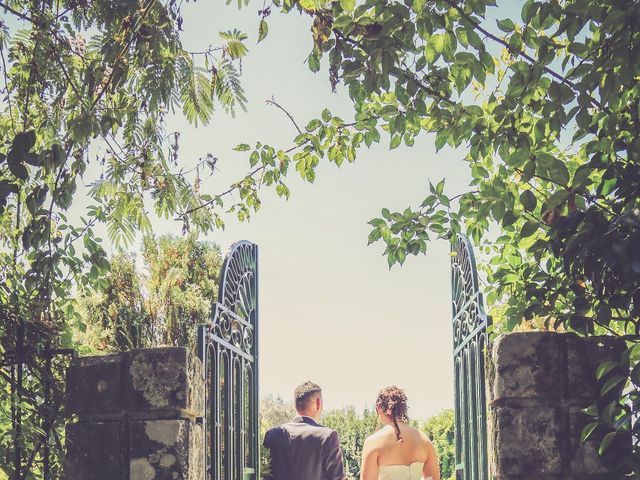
(116, 317)
(546, 109)
(441, 430)
(353, 428)
(86, 82)
(160, 305)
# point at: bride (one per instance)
(397, 451)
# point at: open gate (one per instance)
(228, 348)
(469, 341)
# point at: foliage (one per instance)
(87, 83)
(353, 428)
(274, 411)
(441, 430)
(544, 108)
(162, 305)
(115, 318)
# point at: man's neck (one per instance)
(312, 417)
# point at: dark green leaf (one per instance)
(528, 200)
(263, 29)
(506, 25)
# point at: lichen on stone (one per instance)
(166, 432)
(167, 460)
(102, 386)
(141, 469)
(156, 380)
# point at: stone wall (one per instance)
(135, 416)
(537, 385)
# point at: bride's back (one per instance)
(413, 448)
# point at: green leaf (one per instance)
(606, 442)
(557, 199)
(347, 5)
(263, 29)
(528, 11)
(313, 125)
(604, 368)
(19, 170)
(591, 410)
(314, 62)
(587, 431)
(528, 200)
(559, 172)
(450, 44)
(401, 255)
(243, 147)
(506, 25)
(437, 43)
(509, 219)
(430, 53)
(24, 142)
(529, 228)
(611, 384)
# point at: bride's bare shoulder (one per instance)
(425, 438)
(379, 437)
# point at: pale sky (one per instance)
(330, 309)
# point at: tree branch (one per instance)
(16, 13)
(276, 104)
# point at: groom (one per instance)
(302, 449)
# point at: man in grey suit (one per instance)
(302, 449)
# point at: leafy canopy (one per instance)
(87, 83)
(545, 110)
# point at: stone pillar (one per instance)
(537, 385)
(136, 416)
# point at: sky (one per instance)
(330, 309)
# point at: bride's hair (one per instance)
(393, 403)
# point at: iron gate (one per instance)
(228, 348)
(469, 341)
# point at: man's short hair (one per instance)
(305, 392)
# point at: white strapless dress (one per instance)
(402, 472)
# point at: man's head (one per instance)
(308, 398)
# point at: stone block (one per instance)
(165, 450)
(583, 357)
(94, 386)
(94, 451)
(526, 365)
(163, 381)
(527, 442)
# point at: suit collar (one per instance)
(305, 419)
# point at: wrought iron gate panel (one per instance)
(228, 348)
(470, 324)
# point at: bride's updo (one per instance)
(393, 403)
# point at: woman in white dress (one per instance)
(397, 451)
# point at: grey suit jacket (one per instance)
(302, 449)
